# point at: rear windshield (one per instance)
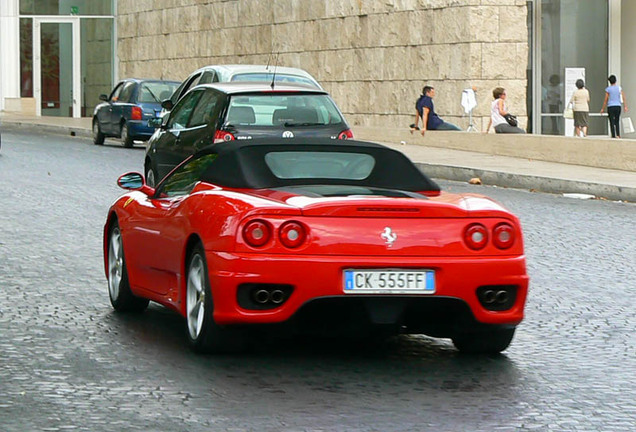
(320, 165)
(265, 76)
(283, 110)
(156, 91)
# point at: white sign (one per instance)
(571, 75)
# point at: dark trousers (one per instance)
(614, 116)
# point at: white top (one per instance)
(495, 115)
(469, 101)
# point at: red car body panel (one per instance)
(343, 233)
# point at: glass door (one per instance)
(56, 67)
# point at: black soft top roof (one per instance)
(241, 164)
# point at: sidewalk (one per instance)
(519, 172)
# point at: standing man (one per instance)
(426, 110)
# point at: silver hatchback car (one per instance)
(227, 73)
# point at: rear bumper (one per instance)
(317, 282)
(139, 129)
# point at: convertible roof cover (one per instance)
(242, 164)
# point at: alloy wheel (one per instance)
(195, 296)
(115, 263)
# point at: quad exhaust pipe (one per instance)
(264, 296)
(497, 297)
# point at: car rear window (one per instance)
(156, 91)
(267, 77)
(282, 110)
(320, 165)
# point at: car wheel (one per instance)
(487, 342)
(204, 335)
(126, 139)
(151, 177)
(98, 136)
(121, 297)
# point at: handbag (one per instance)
(568, 113)
(512, 120)
(628, 125)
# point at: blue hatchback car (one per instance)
(125, 112)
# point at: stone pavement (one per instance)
(592, 167)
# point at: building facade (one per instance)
(373, 56)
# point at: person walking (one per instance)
(426, 111)
(498, 111)
(614, 99)
(580, 102)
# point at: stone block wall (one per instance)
(373, 56)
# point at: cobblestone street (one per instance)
(68, 362)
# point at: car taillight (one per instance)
(257, 233)
(476, 236)
(292, 234)
(136, 113)
(223, 136)
(503, 236)
(345, 134)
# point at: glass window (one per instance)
(283, 110)
(26, 57)
(204, 111)
(574, 34)
(114, 96)
(320, 165)
(185, 178)
(184, 87)
(181, 113)
(208, 77)
(127, 91)
(156, 91)
(61, 7)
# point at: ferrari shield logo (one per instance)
(288, 134)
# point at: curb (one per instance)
(529, 182)
(58, 130)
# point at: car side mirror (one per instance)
(135, 181)
(167, 104)
(103, 97)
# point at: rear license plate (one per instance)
(391, 281)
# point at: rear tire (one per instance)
(486, 342)
(126, 139)
(204, 335)
(98, 136)
(121, 297)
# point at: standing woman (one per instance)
(613, 97)
(580, 102)
(498, 110)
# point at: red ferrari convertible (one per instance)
(316, 236)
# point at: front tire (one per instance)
(485, 342)
(121, 297)
(98, 136)
(126, 139)
(204, 335)
(151, 177)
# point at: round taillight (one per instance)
(292, 234)
(503, 236)
(345, 134)
(223, 136)
(476, 236)
(256, 233)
